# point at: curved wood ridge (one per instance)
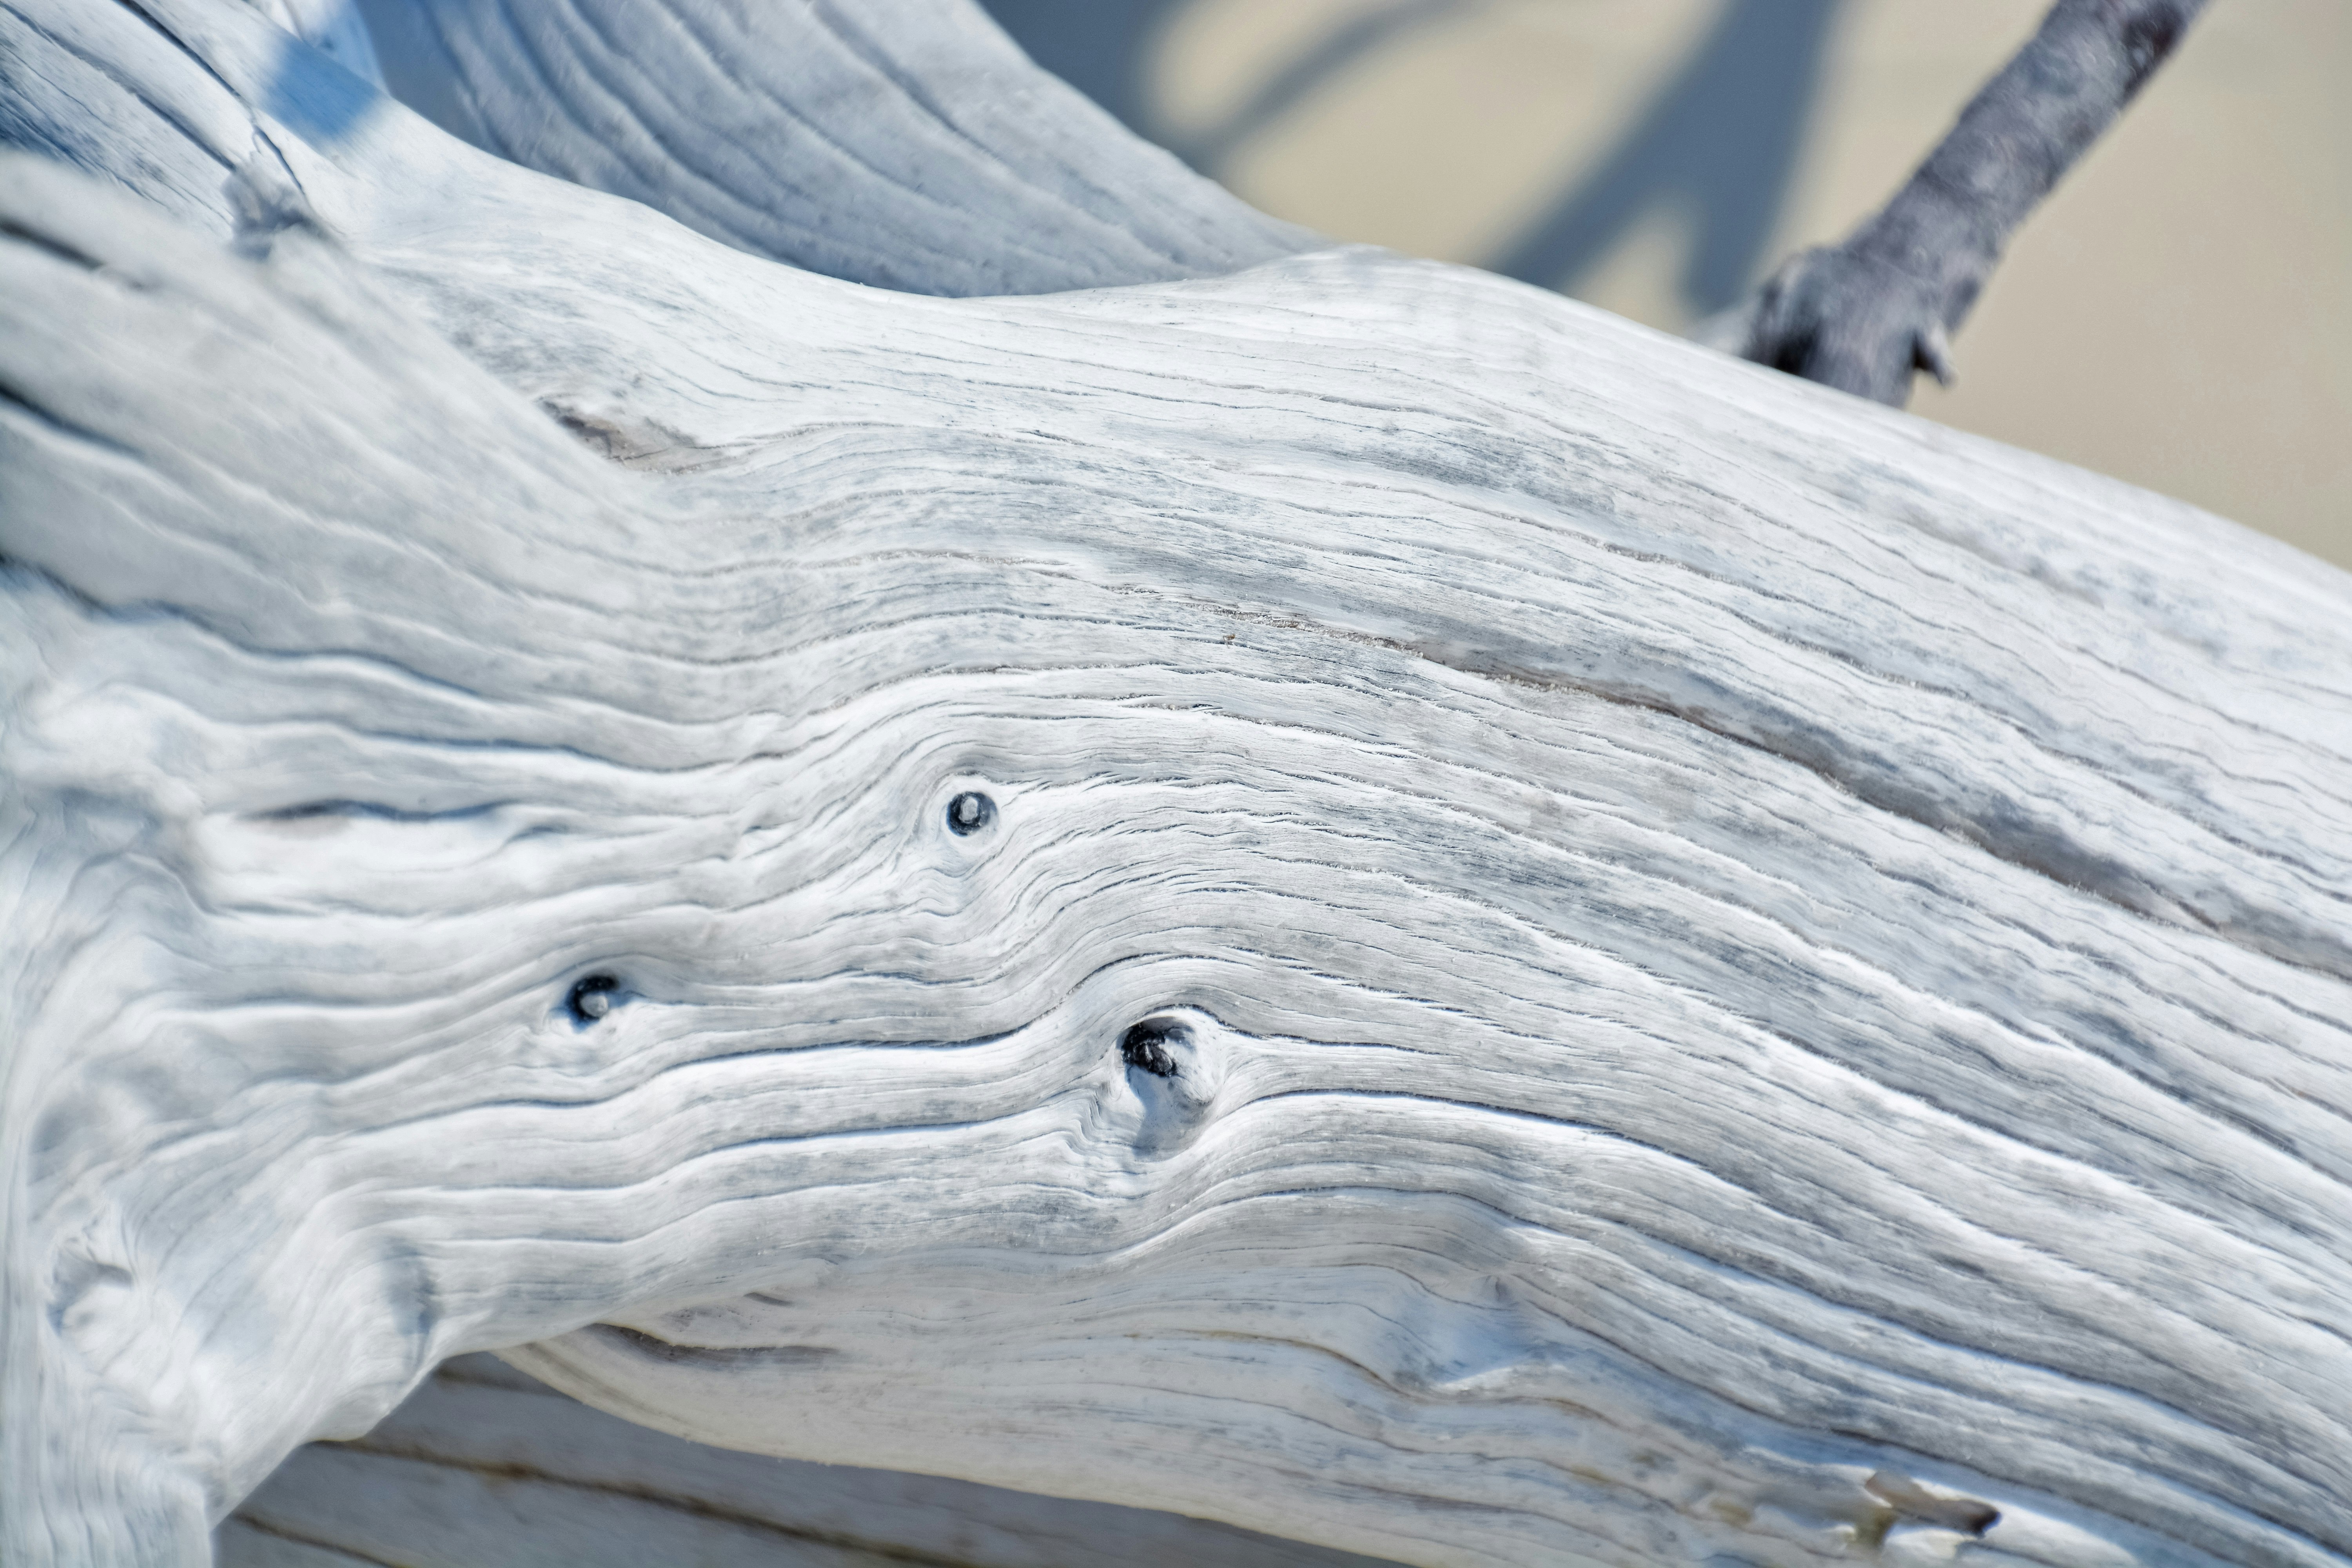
(1576, 952)
(484, 1467)
(906, 143)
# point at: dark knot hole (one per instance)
(592, 998)
(1148, 1044)
(969, 812)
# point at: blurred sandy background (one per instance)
(2177, 314)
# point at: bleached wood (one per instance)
(482, 1467)
(1762, 981)
(907, 143)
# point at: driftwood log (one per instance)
(1300, 887)
(484, 1468)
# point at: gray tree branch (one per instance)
(1864, 315)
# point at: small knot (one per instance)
(269, 201)
(592, 998)
(969, 812)
(1145, 1045)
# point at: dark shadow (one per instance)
(312, 96)
(1720, 140)
(1102, 47)
(1359, 38)
(1096, 46)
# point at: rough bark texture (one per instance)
(1575, 953)
(1866, 315)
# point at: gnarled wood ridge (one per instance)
(1571, 950)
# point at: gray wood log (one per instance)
(906, 143)
(483, 1467)
(1579, 952)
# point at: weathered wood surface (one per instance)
(1741, 978)
(483, 1467)
(906, 143)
